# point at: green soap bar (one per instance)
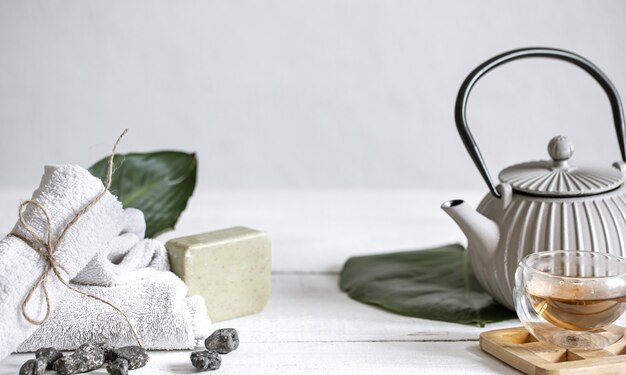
(230, 268)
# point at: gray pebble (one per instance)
(49, 355)
(206, 360)
(223, 340)
(106, 347)
(34, 367)
(136, 356)
(118, 367)
(87, 357)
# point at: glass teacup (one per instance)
(572, 298)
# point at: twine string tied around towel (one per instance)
(47, 247)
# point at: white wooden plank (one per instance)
(308, 308)
(318, 230)
(325, 358)
(309, 325)
(312, 230)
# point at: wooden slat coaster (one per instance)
(518, 348)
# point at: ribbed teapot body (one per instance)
(531, 224)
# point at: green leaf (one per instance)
(435, 284)
(157, 183)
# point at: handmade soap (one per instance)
(230, 268)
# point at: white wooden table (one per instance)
(310, 326)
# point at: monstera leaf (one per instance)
(435, 284)
(157, 183)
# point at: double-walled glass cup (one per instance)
(572, 298)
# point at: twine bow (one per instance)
(48, 246)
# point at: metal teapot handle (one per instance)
(470, 81)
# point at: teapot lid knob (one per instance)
(560, 150)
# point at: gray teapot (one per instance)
(540, 205)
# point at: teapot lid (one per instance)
(557, 178)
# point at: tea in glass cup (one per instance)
(572, 298)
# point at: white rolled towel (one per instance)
(131, 273)
(63, 191)
(163, 316)
(128, 257)
(134, 277)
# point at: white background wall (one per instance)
(302, 93)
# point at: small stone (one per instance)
(106, 347)
(223, 340)
(49, 355)
(136, 356)
(118, 367)
(35, 366)
(87, 357)
(206, 360)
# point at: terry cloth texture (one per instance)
(163, 317)
(104, 254)
(134, 276)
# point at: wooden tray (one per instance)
(518, 348)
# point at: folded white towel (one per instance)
(104, 253)
(163, 316)
(200, 320)
(127, 257)
(63, 191)
(132, 276)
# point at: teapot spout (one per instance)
(482, 233)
